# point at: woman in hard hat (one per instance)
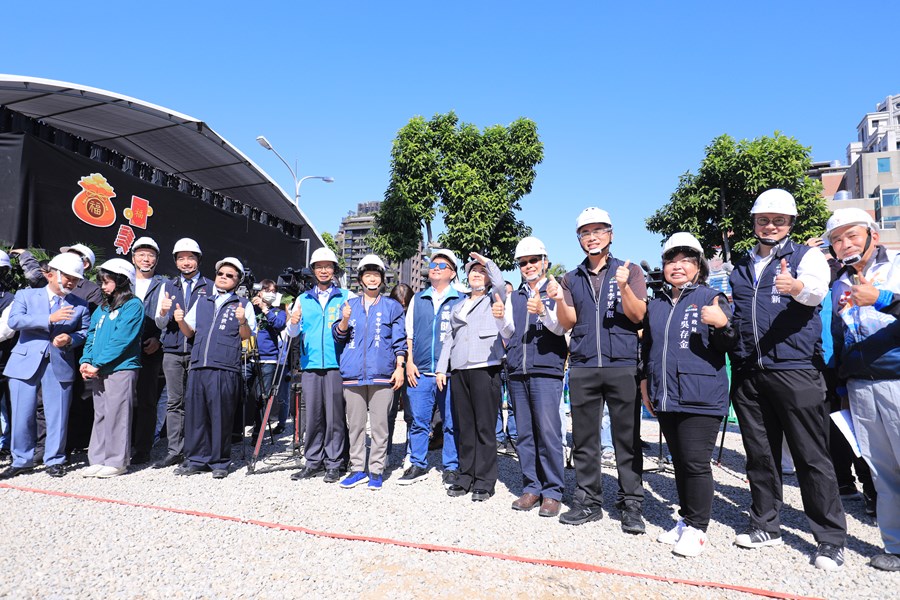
(111, 361)
(472, 355)
(371, 340)
(687, 332)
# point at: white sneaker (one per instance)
(672, 536)
(692, 542)
(107, 472)
(91, 471)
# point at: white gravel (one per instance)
(62, 547)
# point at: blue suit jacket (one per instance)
(30, 316)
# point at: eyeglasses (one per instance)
(777, 221)
(531, 261)
(325, 267)
(686, 260)
(439, 266)
(226, 275)
(594, 233)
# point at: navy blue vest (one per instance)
(172, 339)
(533, 349)
(150, 330)
(685, 373)
(217, 341)
(430, 330)
(6, 299)
(602, 336)
(774, 330)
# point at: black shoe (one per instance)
(56, 470)
(449, 478)
(168, 461)
(886, 562)
(278, 429)
(140, 458)
(187, 469)
(578, 514)
(220, 473)
(455, 490)
(829, 557)
(871, 504)
(332, 475)
(413, 474)
(754, 537)
(481, 495)
(631, 519)
(11, 472)
(307, 473)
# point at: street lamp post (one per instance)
(297, 182)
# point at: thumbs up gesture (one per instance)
(863, 293)
(178, 314)
(535, 306)
(166, 305)
(345, 312)
(498, 309)
(622, 273)
(296, 314)
(554, 290)
(785, 282)
(713, 315)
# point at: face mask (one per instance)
(268, 297)
(146, 269)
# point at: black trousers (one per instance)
(476, 402)
(590, 388)
(143, 425)
(842, 456)
(691, 439)
(209, 405)
(791, 403)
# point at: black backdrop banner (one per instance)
(50, 197)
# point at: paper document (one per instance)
(844, 422)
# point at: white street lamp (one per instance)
(297, 182)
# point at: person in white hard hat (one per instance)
(687, 333)
(217, 322)
(51, 322)
(371, 339)
(427, 327)
(86, 289)
(865, 328)
(112, 360)
(603, 301)
(536, 354)
(313, 314)
(149, 288)
(183, 292)
(777, 386)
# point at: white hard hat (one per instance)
(530, 246)
(120, 266)
(775, 201)
(448, 254)
(82, 250)
(68, 263)
(682, 239)
(144, 242)
(848, 216)
(187, 245)
(370, 262)
(592, 215)
(4, 259)
(230, 260)
(323, 254)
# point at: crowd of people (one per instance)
(361, 356)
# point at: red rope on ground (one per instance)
(575, 566)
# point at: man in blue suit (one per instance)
(51, 322)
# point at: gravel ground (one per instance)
(63, 547)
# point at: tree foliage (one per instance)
(475, 179)
(734, 174)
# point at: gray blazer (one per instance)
(475, 340)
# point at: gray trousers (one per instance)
(374, 402)
(113, 404)
(175, 369)
(325, 425)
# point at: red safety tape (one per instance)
(564, 564)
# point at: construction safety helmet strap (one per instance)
(843, 217)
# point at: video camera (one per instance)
(654, 278)
(247, 283)
(295, 281)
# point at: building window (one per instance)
(890, 222)
(884, 165)
(890, 197)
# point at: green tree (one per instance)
(558, 270)
(329, 241)
(718, 198)
(476, 179)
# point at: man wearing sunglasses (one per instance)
(218, 323)
(427, 327)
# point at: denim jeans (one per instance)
(421, 400)
(510, 433)
(606, 443)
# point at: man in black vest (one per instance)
(604, 301)
(777, 386)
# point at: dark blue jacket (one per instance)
(430, 330)
(173, 340)
(217, 339)
(534, 349)
(603, 336)
(269, 328)
(683, 358)
(774, 331)
(373, 341)
(150, 330)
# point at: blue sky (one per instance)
(625, 97)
